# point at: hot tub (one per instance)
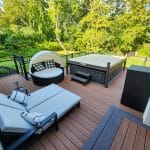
(103, 68)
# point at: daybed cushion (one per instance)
(48, 73)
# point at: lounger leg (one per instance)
(78, 105)
(56, 125)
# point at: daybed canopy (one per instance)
(44, 56)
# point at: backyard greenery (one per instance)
(27, 26)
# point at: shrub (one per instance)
(4, 54)
(52, 46)
(144, 50)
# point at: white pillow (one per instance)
(19, 97)
(33, 118)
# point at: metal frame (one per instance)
(20, 63)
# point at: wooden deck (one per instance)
(77, 126)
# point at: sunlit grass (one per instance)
(136, 61)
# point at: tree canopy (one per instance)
(104, 26)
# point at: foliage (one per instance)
(26, 26)
(52, 46)
(144, 50)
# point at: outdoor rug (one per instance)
(117, 130)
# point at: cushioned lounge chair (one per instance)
(52, 101)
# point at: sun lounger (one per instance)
(52, 101)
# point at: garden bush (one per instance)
(52, 46)
(144, 50)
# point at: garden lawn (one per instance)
(136, 61)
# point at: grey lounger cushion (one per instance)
(60, 104)
(42, 95)
(11, 120)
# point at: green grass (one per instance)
(136, 61)
(8, 64)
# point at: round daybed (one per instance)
(46, 67)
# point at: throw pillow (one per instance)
(19, 97)
(49, 64)
(33, 117)
(38, 67)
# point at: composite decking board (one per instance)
(81, 136)
(55, 141)
(38, 146)
(130, 137)
(95, 135)
(78, 126)
(139, 142)
(94, 104)
(119, 138)
(89, 124)
(46, 143)
(64, 139)
(73, 138)
(147, 142)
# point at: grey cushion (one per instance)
(39, 96)
(60, 104)
(11, 120)
(48, 73)
(9, 103)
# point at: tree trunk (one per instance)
(59, 41)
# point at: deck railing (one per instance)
(131, 59)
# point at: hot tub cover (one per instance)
(97, 60)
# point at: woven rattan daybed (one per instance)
(46, 67)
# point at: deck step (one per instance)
(83, 75)
(79, 79)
